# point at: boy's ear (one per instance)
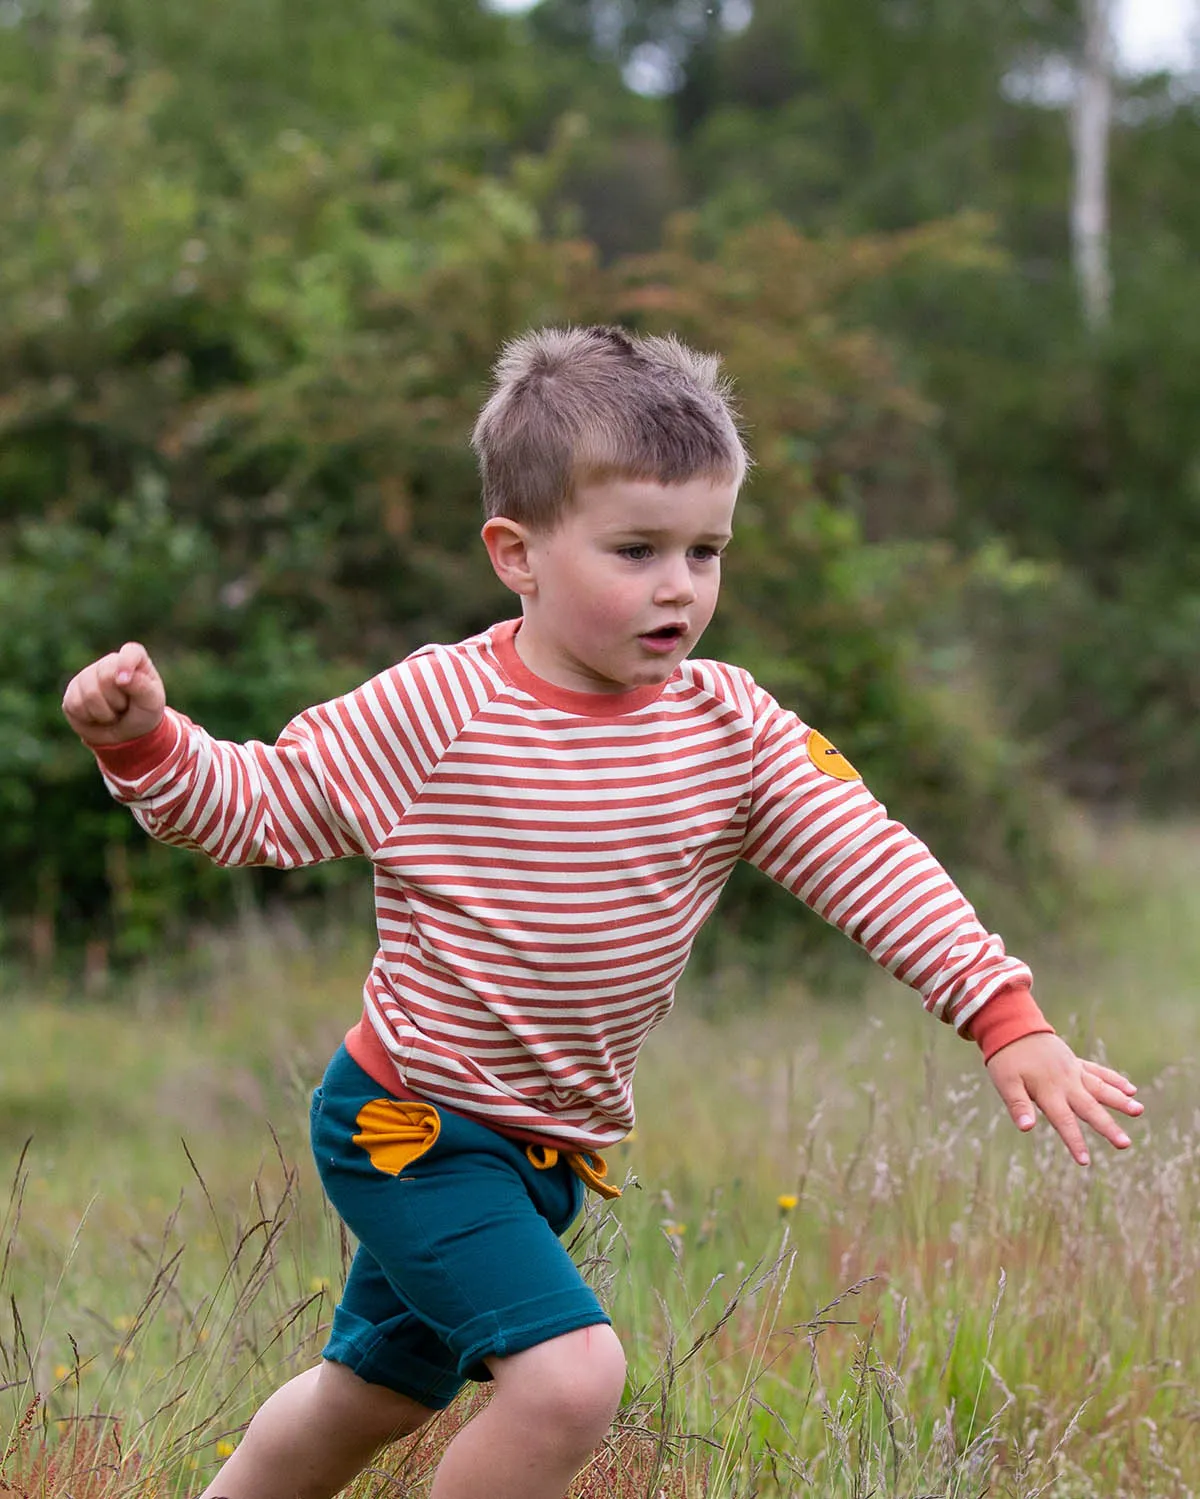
(507, 543)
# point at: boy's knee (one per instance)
(590, 1387)
(569, 1388)
(378, 1413)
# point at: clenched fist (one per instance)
(117, 698)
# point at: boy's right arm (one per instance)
(244, 804)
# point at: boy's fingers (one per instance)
(1114, 1097)
(108, 672)
(97, 697)
(1065, 1113)
(131, 658)
(1068, 1129)
(1092, 1112)
(1018, 1104)
(1109, 1075)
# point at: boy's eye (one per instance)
(639, 551)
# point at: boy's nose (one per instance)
(676, 585)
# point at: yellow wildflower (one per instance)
(225, 1448)
(786, 1201)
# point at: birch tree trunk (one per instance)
(1194, 47)
(1091, 123)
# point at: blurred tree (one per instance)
(181, 456)
(1078, 453)
(250, 290)
(826, 616)
(234, 410)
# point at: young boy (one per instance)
(552, 809)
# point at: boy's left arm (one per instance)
(1041, 1070)
(815, 828)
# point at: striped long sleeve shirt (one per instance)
(544, 858)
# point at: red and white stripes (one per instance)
(543, 861)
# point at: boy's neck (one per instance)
(506, 640)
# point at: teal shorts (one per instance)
(459, 1255)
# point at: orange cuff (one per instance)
(1006, 1017)
(137, 757)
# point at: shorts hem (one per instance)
(495, 1339)
(430, 1385)
(430, 1399)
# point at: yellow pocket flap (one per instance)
(395, 1132)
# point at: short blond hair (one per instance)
(573, 406)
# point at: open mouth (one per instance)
(664, 640)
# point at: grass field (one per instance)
(837, 1268)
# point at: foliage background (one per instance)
(255, 261)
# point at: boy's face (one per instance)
(624, 586)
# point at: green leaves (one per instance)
(252, 279)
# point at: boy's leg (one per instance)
(551, 1406)
(459, 1228)
(313, 1435)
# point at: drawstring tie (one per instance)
(590, 1168)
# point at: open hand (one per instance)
(1042, 1069)
(117, 698)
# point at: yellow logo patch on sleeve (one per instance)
(829, 761)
